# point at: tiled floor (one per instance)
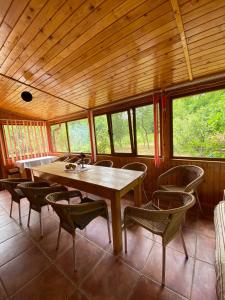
(31, 268)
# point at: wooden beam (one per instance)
(180, 27)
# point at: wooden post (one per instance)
(49, 137)
(92, 135)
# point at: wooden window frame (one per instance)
(176, 95)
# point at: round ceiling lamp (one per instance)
(26, 96)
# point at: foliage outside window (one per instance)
(102, 135)
(79, 136)
(59, 138)
(199, 125)
(145, 130)
(25, 140)
(121, 133)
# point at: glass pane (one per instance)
(145, 130)
(199, 125)
(79, 136)
(102, 135)
(24, 140)
(59, 138)
(121, 135)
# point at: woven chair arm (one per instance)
(165, 174)
(63, 195)
(147, 214)
(86, 208)
(193, 185)
(37, 184)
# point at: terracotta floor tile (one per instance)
(13, 247)
(111, 279)
(77, 295)
(23, 268)
(49, 224)
(3, 294)
(48, 243)
(5, 219)
(204, 284)
(190, 242)
(206, 227)
(206, 249)
(176, 267)
(9, 231)
(87, 257)
(138, 250)
(147, 289)
(50, 284)
(97, 232)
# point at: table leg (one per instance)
(116, 223)
(138, 195)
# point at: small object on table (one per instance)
(70, 167)
(82, 156)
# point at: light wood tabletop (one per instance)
(110, 183)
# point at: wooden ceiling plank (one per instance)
(206, 42)
(13, 13)
(134, 19)
(151, 62)
(204, 19)
(180, 27)
(5, 5)
(18, 30)
(128, 59)
(120, 47)
(202, 10)
(46, 35)
(47, 12)
(148, 73)
(75, 36)
(122, 58)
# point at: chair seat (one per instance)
(155, 227)
(171, 187)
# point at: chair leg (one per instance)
(109, 233)
(19, 213)
(163, 265)
(41, 226)
(28, 221)
(125, 237)
(48, 207)
(183, 243)
(198, 201)
(74, 253)
(10, 214)
(59, 233)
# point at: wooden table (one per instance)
(109, 183)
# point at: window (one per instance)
(25, 140)
(199, 125)
(145, 130)
(102, 135)
(79, 136)
(121, 132)
(59, 138)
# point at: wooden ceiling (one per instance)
(77, 55)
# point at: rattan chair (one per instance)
(165, 223)
(183, 178)
(73, 159)
(36, 193)
(74, 216)
(11, 185)
(137, 166)
(104, 163)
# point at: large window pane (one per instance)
(199, 125)
(25, 140)
(145, 130)
(121, 135)
(79, 136)
(59, 138)
(102, 135)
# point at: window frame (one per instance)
(173, 97)
(132, 130)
